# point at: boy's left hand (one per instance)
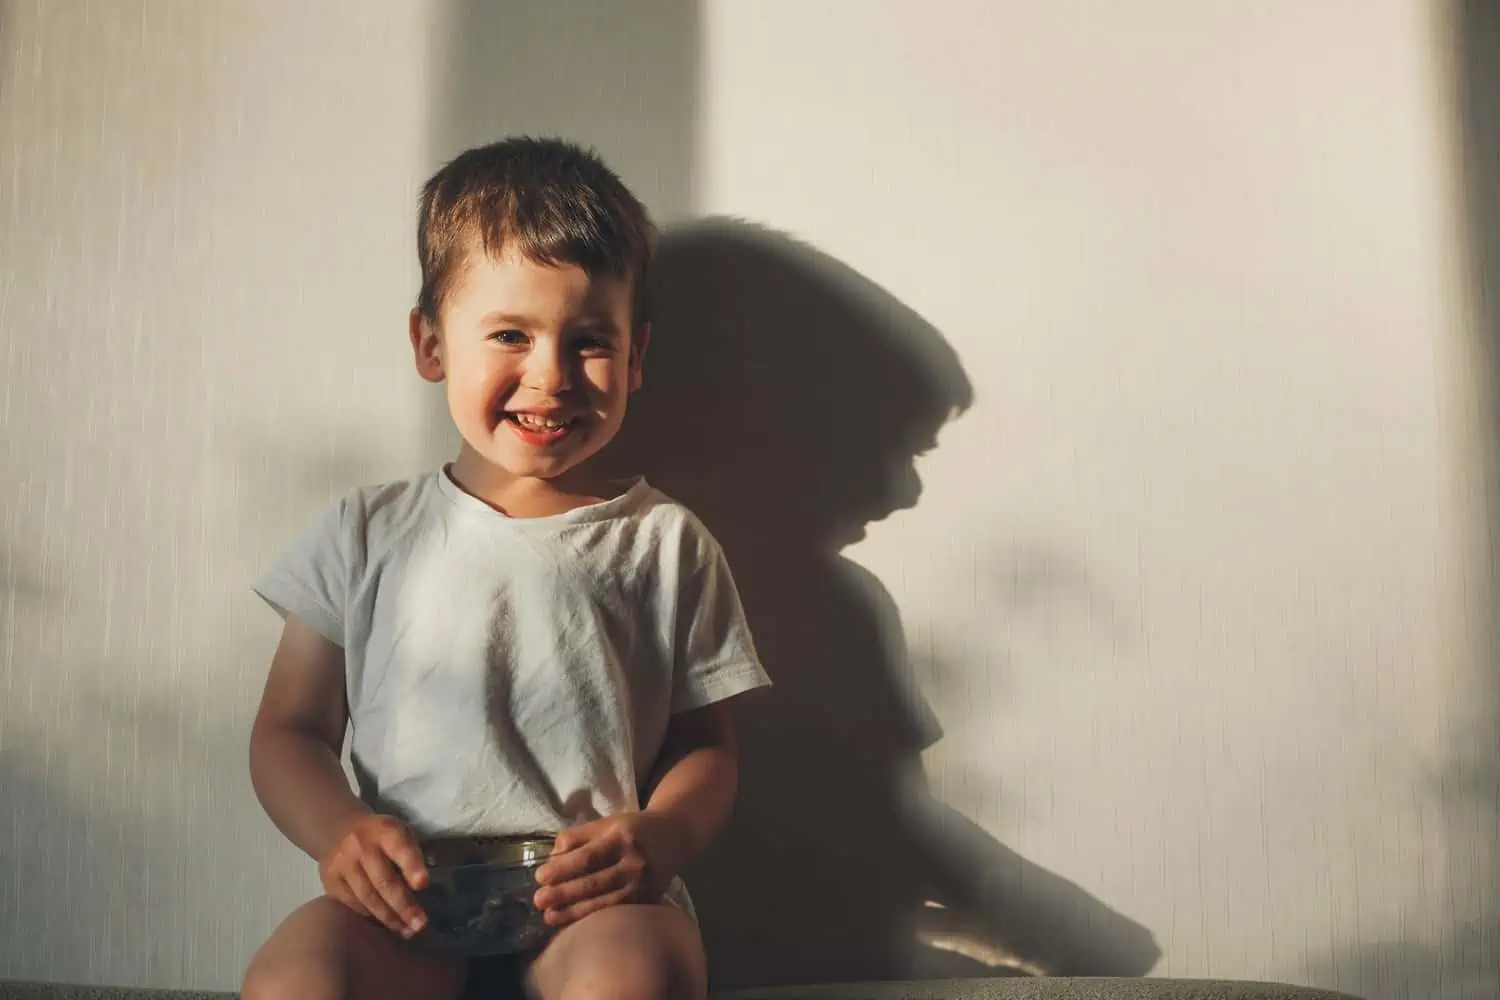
(630, 858)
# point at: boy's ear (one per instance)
(639, 341)
(426, 347)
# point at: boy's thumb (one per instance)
(566, 841)
(401, 849)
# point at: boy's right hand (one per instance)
(373, 869)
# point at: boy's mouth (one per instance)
(539, 429)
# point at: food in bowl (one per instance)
(479, 892)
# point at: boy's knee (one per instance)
(626, 980)
(623, 953)
(637, 974)
(270, 979)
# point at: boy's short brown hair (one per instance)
(547, 199)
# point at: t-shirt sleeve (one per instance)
(715, 654)
(310, 579)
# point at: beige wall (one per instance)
(1197, 589)
(203, 325)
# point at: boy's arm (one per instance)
(365, 861)
(695, 779)
(296, 741)
(633, 857)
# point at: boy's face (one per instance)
(539, 361)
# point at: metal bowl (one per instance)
(478, 895)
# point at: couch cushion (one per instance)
(12, 990)
(1045, 989)
(952, 989)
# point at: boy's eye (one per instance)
(595, 343)
(512, 337)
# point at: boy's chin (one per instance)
(534, 469)
(526, 464)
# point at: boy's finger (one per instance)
(589, 857)
(345, 895)
(577, 890)
(369, 898)
(576, 912)
(385, 881)
(402, 849)
(571, 839)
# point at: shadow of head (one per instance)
(786, 399)
(783, 389)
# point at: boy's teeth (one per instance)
(539, 423)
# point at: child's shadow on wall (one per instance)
(785, 401)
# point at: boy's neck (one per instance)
(523, 497)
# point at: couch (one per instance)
(957, 989)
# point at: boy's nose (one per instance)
(547, 372)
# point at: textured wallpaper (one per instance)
(195, 298)
(1109, 402)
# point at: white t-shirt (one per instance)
(514, 675)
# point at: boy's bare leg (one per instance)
(623, 953)
(325, 951)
